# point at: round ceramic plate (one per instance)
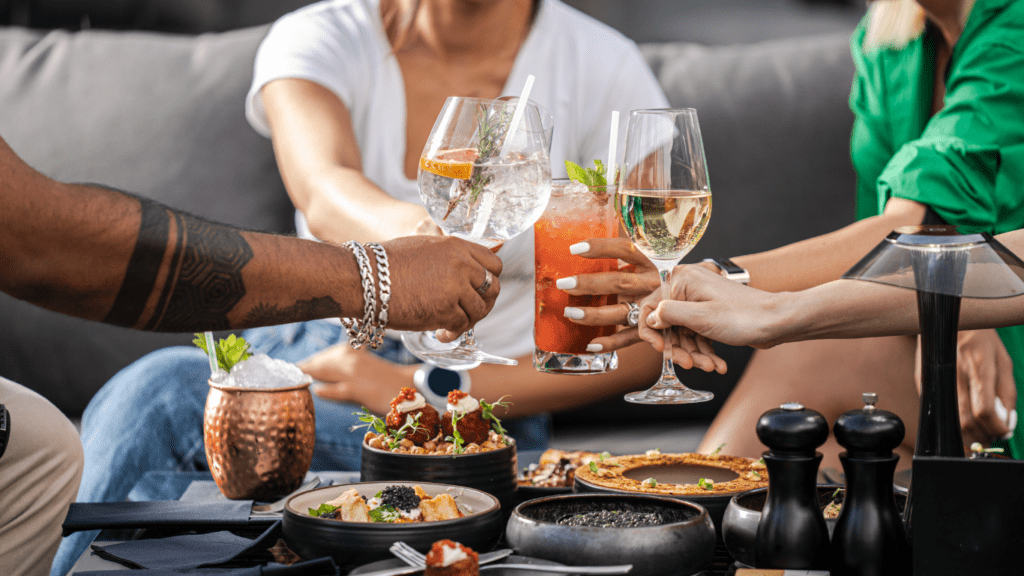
(513, 559)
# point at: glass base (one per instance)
(560, 363)
(464, 356)
(669, 395)
(420, 343)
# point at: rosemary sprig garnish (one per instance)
(492, 129)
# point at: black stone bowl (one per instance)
(685, 544)
(715, 502)
(355, 543)
(739, 525)
(493, 471)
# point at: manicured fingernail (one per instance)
(652, 319)
(573, 313)
(566, 283)
(594, 347)
(579, 248)
(1001, 412)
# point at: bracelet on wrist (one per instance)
(359, 333)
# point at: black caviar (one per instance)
(400, 498)
(612, 519)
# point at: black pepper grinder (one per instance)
(868, 539)
(792, 532)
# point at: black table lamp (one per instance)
(942, 266)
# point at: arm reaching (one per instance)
(104, 255)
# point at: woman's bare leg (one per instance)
(828, 376)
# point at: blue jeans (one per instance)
(149, 416)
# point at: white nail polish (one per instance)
(1001, 411)
(1012, 424)
(579, 248)
(592, 348)
(573, 313)
(566, 283)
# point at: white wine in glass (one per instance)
(664, 204)
(485, 176)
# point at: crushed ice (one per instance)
(262, 371)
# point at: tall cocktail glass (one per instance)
(575, 212)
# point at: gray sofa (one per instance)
(162, 115)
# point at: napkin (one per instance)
(189, 550)
(193, 514)
(319, 567)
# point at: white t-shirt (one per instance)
(583, 71)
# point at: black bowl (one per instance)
(354, 543)
(683, 545)
(493, 471)
(739, 526)
(714, 502)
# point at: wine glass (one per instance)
(485, 176)
(664, 203)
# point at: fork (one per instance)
(410, 556)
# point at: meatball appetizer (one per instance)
(408, 403)
(465, 415)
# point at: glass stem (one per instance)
(468, 340)
(668, 370)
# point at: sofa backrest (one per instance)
(162, 115)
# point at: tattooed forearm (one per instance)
(267, 314)
(144, 266)
(204, 281)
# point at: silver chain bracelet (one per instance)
(384, 277)
(365, 330)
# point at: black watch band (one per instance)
(730, 270)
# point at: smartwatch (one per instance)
(434, 383)
(730, 270)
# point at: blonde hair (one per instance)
(894, 23)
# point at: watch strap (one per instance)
(731, 270)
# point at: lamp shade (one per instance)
(939, 260)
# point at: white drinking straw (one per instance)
(211, 352)
(517, 115)
(612, 142)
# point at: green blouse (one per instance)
(966, 162)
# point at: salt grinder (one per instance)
(868, 539)
(792, 531)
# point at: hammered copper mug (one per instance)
(259, 441)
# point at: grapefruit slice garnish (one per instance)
(456, 164)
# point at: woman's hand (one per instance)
(434, 281)
(357, 376)
(984, 376)
(630, 283)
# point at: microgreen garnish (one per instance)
(596, 176)
(492, 128)
(757, 475)
(230, 350)
(323, 509)
(371, 420)
(456, 438)
(392, 438)
(719, 449)
(650, 482)
(411, 426)
(604, 455)
(487, 413)
(836, 493)
(760, 462)
(593, 467)
(706, 483)
(384, 513)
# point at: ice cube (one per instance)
(262, 371)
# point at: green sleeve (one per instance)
(955, 166)
(871, 144)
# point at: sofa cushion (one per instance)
(155, 114)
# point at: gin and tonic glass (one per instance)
(485, 176)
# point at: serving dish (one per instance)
(683, 544)
(354, 543)
(742, 515)
(493, 472)
(676, 476)
(513, 559)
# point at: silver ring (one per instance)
(482, 289)
(633, 316)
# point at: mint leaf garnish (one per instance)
(323, 509)
(230, 350)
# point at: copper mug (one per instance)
(259, 441)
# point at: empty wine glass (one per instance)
(664, 203)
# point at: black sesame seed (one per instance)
(612, 519)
